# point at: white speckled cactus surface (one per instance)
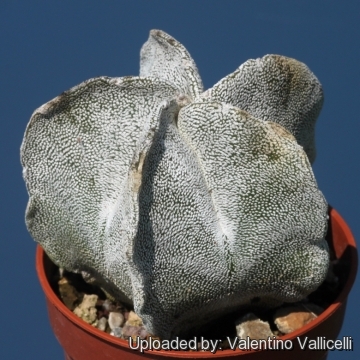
(186, 203)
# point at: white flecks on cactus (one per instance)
(186, 203)
(278, 89)
(165, 58)
(77, 152)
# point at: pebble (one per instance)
(102, 324)
(133, 319)
(133, 327)
(117, 332)
(87, 310)
(250, 325)
(116, 320)
(294, 317)
(108, 305)
(68, 293)
(134, 331)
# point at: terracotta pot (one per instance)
(81, 341)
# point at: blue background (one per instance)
(47, 47)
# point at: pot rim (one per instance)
(341, 298)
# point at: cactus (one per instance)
(187, 204)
